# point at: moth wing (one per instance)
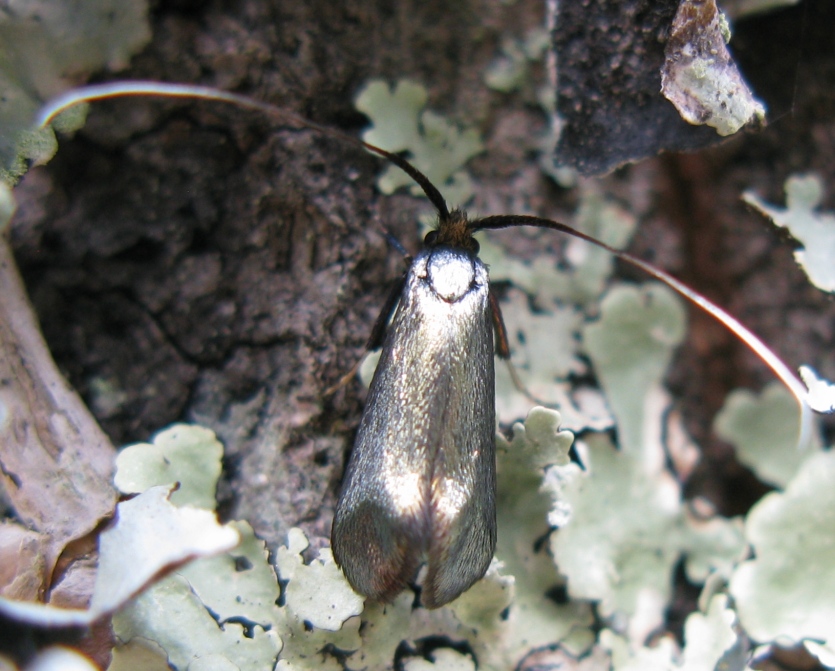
(381, 523)
(463, 484)
(421, 479)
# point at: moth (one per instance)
(421, 480)
(420, 485)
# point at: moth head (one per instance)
(454, 230)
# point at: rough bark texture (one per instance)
(610, 59)
(188, 261)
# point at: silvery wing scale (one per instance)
(421, 480)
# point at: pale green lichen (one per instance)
(48, 46)
(218, 610)
(763, 428)
(784, 592)
(223, 610)
(623, 538)
(545, 326)
(711, 638)
(711, 642)
(509, 72)
(631, 346)
(699, 75)
(436, 147)
(815, 231)
(31, 147)
(185, 455)
(175, 619)
(628, 657)
(590, 266)
(316, 593)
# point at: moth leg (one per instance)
(375, 340)
(395, 243)
(503, 352)
(378, 332)
(502, 343)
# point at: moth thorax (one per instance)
(451, 273)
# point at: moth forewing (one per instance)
(420, 482)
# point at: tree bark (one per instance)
(190, 261)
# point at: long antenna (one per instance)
(780, 369)
(151, 88)
(86, 94)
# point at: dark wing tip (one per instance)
(378, 555)
(461, 551)
(447, 580)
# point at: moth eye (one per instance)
(476, 246)
(431, 238)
